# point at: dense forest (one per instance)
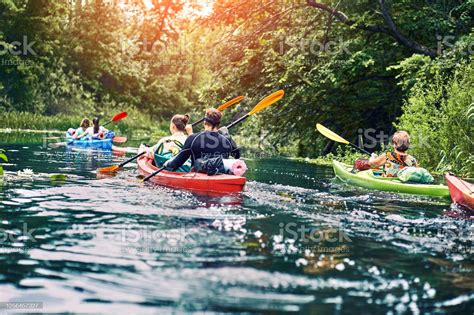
(364, 67)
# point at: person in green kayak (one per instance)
(85, 123)
(393, 162)
(170, 146)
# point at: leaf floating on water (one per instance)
(58, 177)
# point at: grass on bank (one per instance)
(136, 124)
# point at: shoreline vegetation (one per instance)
(410, 68)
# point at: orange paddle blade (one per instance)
(110, 169)
(267, 101)
(230, 103)
(120, 116)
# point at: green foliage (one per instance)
(351, 85)
(438, 115)
(97, 59)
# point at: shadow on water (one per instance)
(295, 240)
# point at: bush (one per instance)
(439, 115)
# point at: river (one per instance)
(296, 240)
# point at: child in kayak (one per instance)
(207, 145)
(85, 123)
(393, 162)
(170, 146)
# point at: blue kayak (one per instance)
(105, 144)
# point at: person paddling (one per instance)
(168, 147)
(393, 162)
(207, 145)
(85, 123)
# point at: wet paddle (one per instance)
(115, 168)
(267, 101)
(337, 138)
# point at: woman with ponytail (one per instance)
(170, 146)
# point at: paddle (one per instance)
(335, 137)
(117, 117)
(222, 107)
(114, 168)
(267, 101)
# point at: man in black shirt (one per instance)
(210, 143)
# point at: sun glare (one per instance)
(205, 7)
(199, 8)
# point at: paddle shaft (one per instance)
(153, 174)
(197, 122)
(107, 123)
(359, 149)
(241, 119)
(131, 159)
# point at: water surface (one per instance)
(295, 240)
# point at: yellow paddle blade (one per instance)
(230, 103)
(330, 134)
(110, 169)
(267, 101)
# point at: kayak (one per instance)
(105, 144)
(368, 180)
(192, 181)
(462, 192)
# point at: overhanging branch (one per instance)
(400, 37)
(390, 28)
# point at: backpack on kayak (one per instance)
(161, 156)
(415, 175)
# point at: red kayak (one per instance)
(461, 191)
(192, 181)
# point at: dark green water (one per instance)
(295, 241)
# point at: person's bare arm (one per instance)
(189, 129)
(376, 161)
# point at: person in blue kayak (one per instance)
(393, 162)
(96, 131)
(169, 147)
(78, 133)
(207, 148)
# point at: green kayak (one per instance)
(367, 179)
